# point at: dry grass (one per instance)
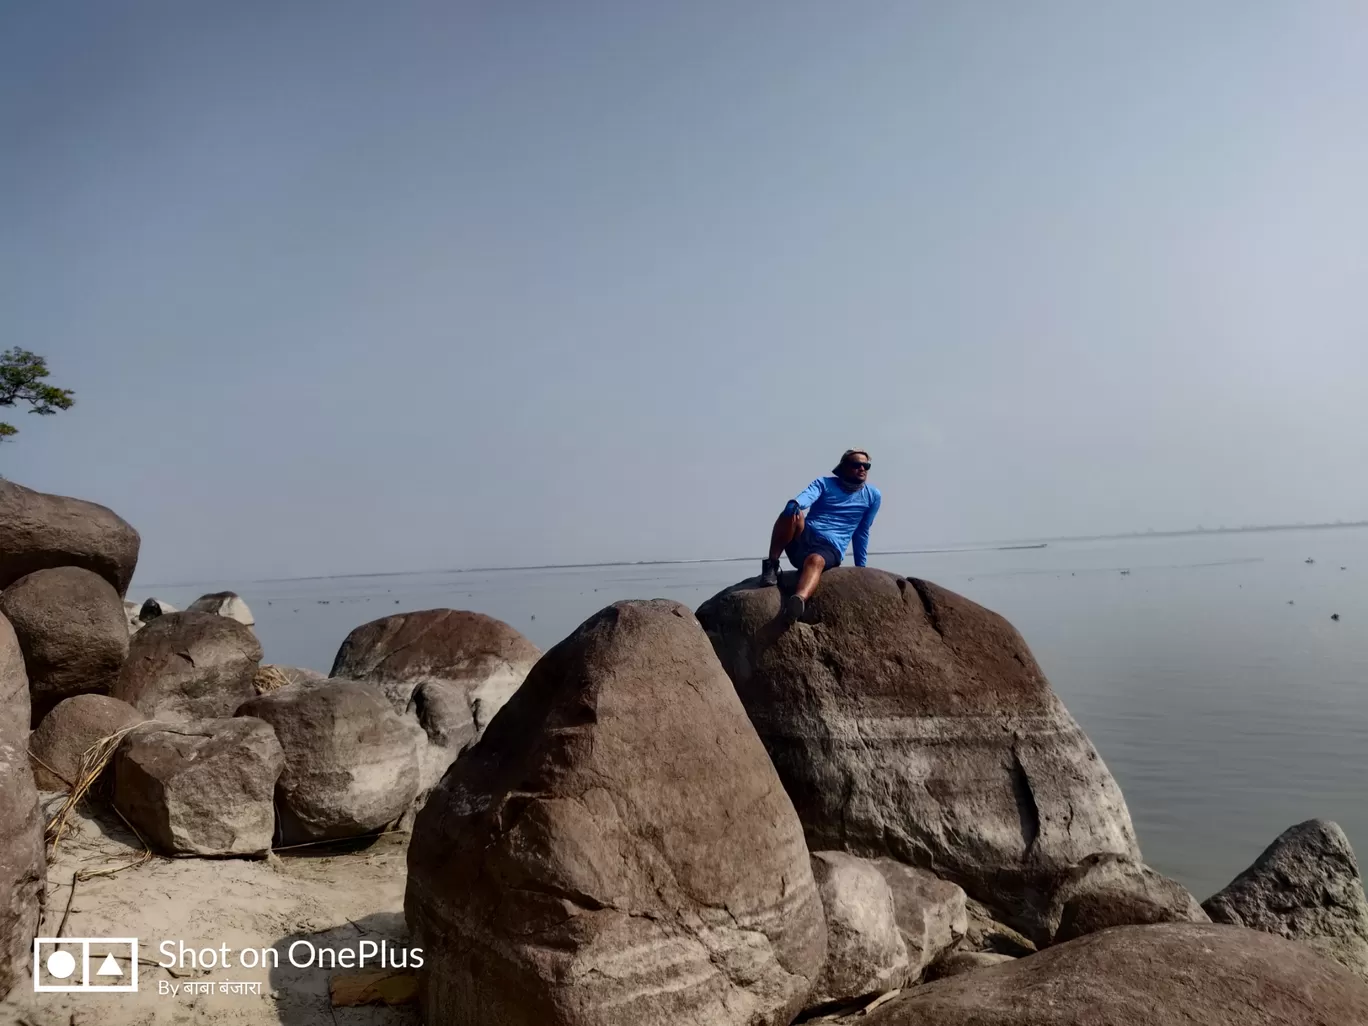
(270, 678)
(93, 762)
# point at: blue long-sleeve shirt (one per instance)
(840, 516)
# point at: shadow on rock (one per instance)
(331, 849)
(309, 961)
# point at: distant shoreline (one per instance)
(999, 546)
(1193, 532)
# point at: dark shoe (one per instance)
(769, 572)
(794, 607)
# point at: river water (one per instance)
(1211, 677)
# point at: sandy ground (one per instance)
(333, 899)
(329, 898)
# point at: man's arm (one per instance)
(861, 538)
(805, 498)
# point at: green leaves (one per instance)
(21, 380)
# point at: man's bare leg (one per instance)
(811, 573)
(809, 576)
(788, 527)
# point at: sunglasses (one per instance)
(863, 465)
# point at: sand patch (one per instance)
(331, 898)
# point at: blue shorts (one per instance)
(806, 544)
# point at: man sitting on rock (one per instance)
(817, 525)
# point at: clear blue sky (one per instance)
(356, 286)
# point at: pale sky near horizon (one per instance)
(355, 287)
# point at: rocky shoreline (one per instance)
(671, 816)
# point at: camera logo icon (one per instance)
(85, 964)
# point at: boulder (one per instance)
(351, 762)
(1305, 886)
(72, 630)
(72, 727)
(442, 713)
(482, 659)
(930, 912)
(957, 963)
(224, 603)
(189, 666)
(1104, 891)
(40, 531)
(865, 950)
(23, 866)
(202, 788)
(907, 721)
(131, 611)
(153, 608)
(616, 848)
(1172, 974)
(14, 687)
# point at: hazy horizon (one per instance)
(359, 289)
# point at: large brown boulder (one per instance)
(1104, 891)
(23, 867)
(478, 658)
(72, 727)
(40, 531)
(351, 762)
(1305, 886)
(1174, 974)
(203, 788)
(616, 849)
(189, 666)
(72, 630)
(907, 721)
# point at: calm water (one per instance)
(1225, 713)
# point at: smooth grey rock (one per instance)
(351, 763)
(957, 963)
(72, 630)
(616, 848)
(224, 603)
(930, 912)
(1107, 890)
(907, 721)
(442, 711)
(131, 611)
(1305, 886)
(39, 531)
(189, 666)
(1169, 974)
(482, 659)
(201, 788)
(865, 950)
(63, 736)
(447, 670)
(23, 865)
